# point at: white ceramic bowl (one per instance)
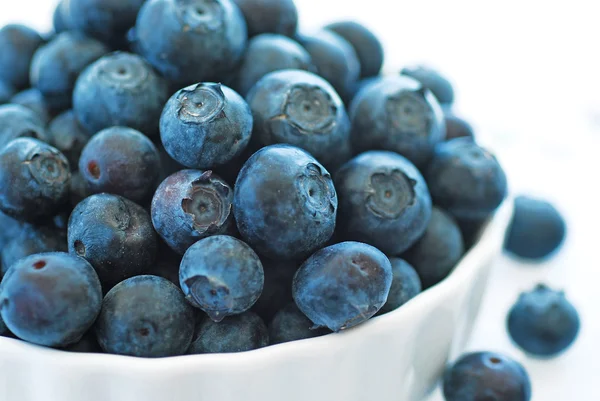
(396, 357)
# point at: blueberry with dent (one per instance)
(67, 135)
(290, 324)
(18, 43)
(269, 16)
(17, 121)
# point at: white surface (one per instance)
(527, 75)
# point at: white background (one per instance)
(527, 76)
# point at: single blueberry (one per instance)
(277, 291)
(543, 322)
(205, 125)
(537, 229)
(438, 251)
(6, 92)
(301, 109)
(50, 299)
(78, 189)
(34, 100)
(290, 324)
(269, 16)
(472, 229)
(121, 161)
(466, 180)
(10, 228)
(191, 205)
(61, 19)
(432, 80)
(365, 43)
(282, 185)
(18, 43)
(238, 333)
(145, 316)
(398, 114)
(88, 344)
(56, 66)
(343, 285)
(17, 121)
(68, 136)
(114, 234)
(34, 179)
(486, 376)
(384, 201)
(268, 53)
(222, 276)
(190, 41)
(457, 127)
(406, 285)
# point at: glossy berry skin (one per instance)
(365, 43)
(290, 324)
(280, 184)
(277, 291)
(384, 201)
(222, 276)
(205, 125)
(17, 121)
(33, 99)
(34, 179)
(6, 93)
(121, 161)
(438, 251)
(301, 109)
(18, 43)
(50, 299)
(466, 180)
(543, 322)
(342, 285)
(432, 80)
(120, 89)
(30, 240)
(145, 316)
(56, 66)
(68, 136)
(269, 16)
(398, 114)
(537, 229)
(238, 333)
(191, 205)
(114, 234)
(487, 376)
(406, 285)
(212, 32)
(457, 127)
(268, 53)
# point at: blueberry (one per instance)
(17, 121)
(78, 189)
(301, 109)
(471, 230)
(3, 329)
(205, 125)
(105, 20)
(269, 16)
(486, 376)
(167, 263)
(6, 93)
(18, 43)
(543, 322)
(88, 344)
(121, 161)
(466, 180)
(432, 80)
(239, 333)
(34, 179)
(33, 100)
(31, 240)
(278, 185)
(50, 299)
(68, 136)
(268, 53)
(289, 324)
(10, 228)
(56, 66)
(342, 285)
(145, 316)
(190, 41)
(277, 291)
(222, 276)
(398, 114)
(120, 89)
(406, 285)
(114, 234)
(61, 20)
(384, 201)
(365, 43)
(537, 229)
(191, 205)
(457, 127)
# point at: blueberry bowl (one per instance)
(397, 356)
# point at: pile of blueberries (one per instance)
(184, 177)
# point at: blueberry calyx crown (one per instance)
(310, 109)
(123, 70)
(48, 166)
(203, 103)
(200, 16)
(391, 193)
(317, 187)
(408, 112)
(209, 203)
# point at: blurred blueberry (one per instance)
(457, 127)
(6, 93)
(432, 80)
(18, 121)
(68, 136)
(33, 99)
(18, 43)
(269, 16)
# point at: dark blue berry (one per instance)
(432, 80)
(18, 43)
(17, 121)
(68, 136)
(457, 127)
(50, 299)
(6, 92)
(34, 100)
(269, 16)
(167, 263)
(61, 20)
(222, 276)
(145, 316)
(88, 344)
(78, 189)
(277, 291)
(3, 329)
(343, 285)
(280, 184)
(406, 285)
(290, 324)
